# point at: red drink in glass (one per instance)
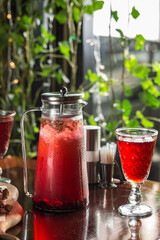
(5, 133)
(61, 179)
(136, 158)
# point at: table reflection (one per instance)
(68, 226)
(134, 225)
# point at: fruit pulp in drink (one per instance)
(61, 175)
(5, 133)
(136, 158)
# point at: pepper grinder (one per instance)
(92, 146)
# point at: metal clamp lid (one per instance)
(62, 97)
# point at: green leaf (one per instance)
(115, 15)
(61, 4)
(96, 5)
(156, 68)
(17, 90)
(125, 119)
(46, 72)
(47, 35)
(139, 114)
(30, 136)
(140, 40)
(38, 48)
(141, 71)
(86, 95)
(127, 107)
(59, 75)
(27, 20)
(32, 154)
(148, 100)
(76, 14)
(146, 84)
(18, 38)
(157, 79)
(36, 129)
(153, 90)
(111, 126)
(64, 49)
(73, 37)
(146, 123)
(120, 32)
(135, 14)
(61, 16)
(150, 87)
(118, 104)
(88, 9)
(103, 87)
(130, 63)
(91, 76)
(128, 91)
(92, 121)
(49, 69)
(133, 123)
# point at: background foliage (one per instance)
(30, 54)
(137, 80)
(34, 59)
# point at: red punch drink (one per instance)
(136, 146)
(61, 179)
(5, 132)
(61, 182)
(136, 158)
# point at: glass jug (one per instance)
(61, 182)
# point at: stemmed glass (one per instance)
(136, 146)
(6, 123)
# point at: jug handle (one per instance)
(25, 174)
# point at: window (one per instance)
(147, 24)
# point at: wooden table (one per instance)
(100, 221)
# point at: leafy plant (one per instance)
(122, 110)
(18, 77)
(70, 14)
(30, 54)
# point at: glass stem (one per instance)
(135, 196)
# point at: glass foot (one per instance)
(130, 210)
(5, 180)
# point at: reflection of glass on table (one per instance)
(107, 155)
(134, 225)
